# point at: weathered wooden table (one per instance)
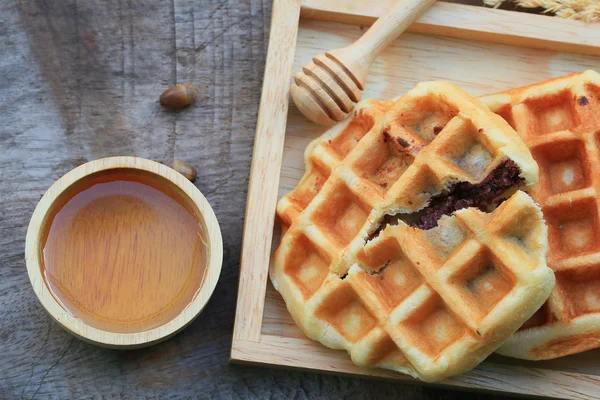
(79, 81)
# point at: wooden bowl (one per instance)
(65, 189)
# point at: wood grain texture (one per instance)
(480, 24)
(555, 383)
(480, 68)
(326, 89)
(266, 165)
(81, 80)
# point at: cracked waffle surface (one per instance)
(380, 141)
(394, 157)
(559, 120)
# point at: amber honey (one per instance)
(124, 251)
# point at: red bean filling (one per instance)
(458, 196)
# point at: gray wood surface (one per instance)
(79, 81)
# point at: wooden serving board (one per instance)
(481, 50)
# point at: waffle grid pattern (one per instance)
(384, 157)
(559, 120)
(439, 311)
(329, 150)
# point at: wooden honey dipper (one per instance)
(331, 84)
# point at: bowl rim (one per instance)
(75, 325)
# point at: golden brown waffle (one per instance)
(559, 120)
(326, 152)
(431, 303)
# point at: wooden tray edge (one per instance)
(472, 23)
(265, 170)
(526, 381)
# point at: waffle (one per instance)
(326, 152)
(355, 273)
(559, 120)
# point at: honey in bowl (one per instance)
(124, 251)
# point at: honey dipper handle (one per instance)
(390, 25)
(358, 56)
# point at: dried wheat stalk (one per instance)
(584, 10)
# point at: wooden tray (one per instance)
(483, 51)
